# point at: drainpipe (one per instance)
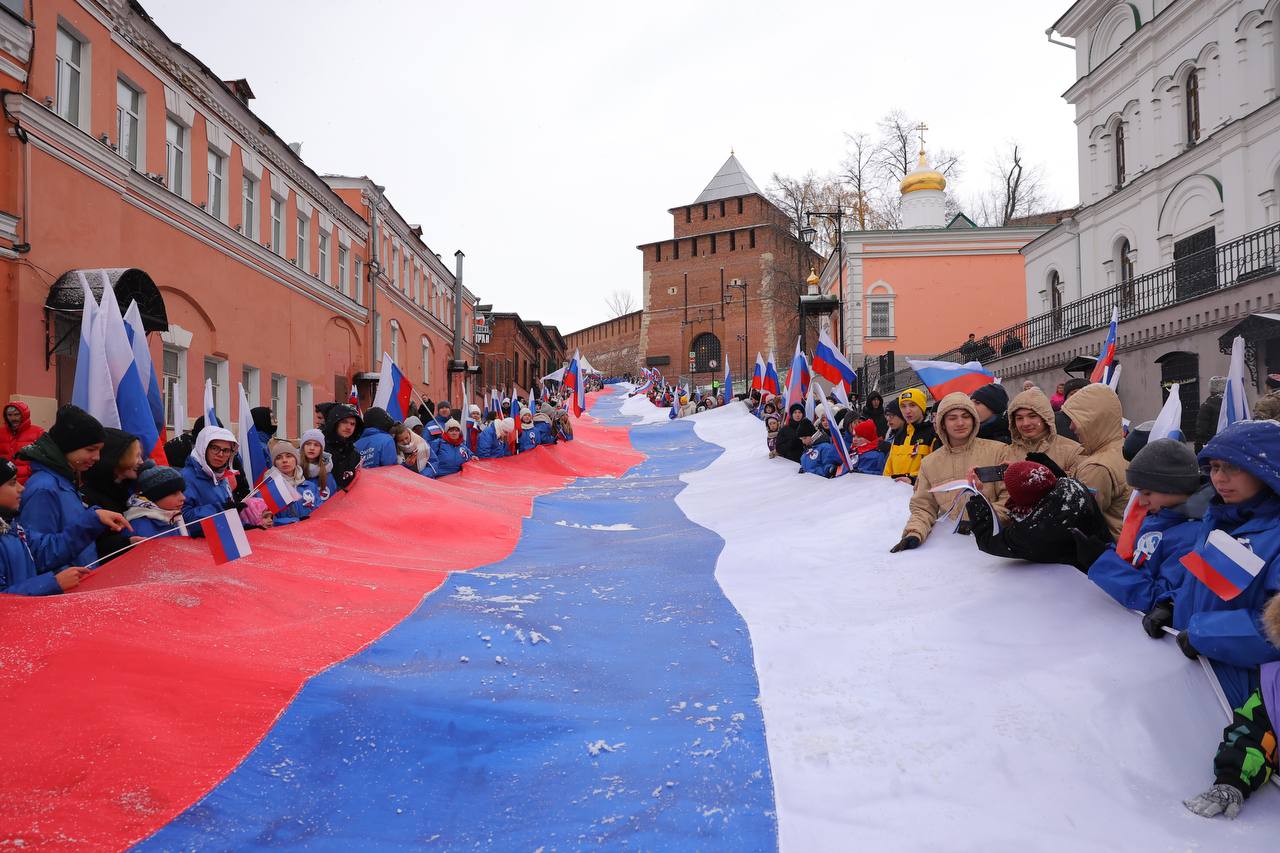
(372, 267)
(459, 364)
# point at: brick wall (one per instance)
(612, 347)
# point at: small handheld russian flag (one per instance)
(225, 535)
(1106, 358)
(277, 492)
(1224, 564)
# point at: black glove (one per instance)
(1157, 619)
(907, 543)
(1043, 459)
(1184, 643)
(1088, 549)
(980, 521)
(964, 528)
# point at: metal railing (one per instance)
(1242, 260)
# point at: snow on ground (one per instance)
(944, 699)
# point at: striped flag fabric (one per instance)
(757, 374)
(830, 363)
(1235, 405)
(226, 538)
(137, 333)
(394, 390)
(1168, 424)
(727, 396)
(797, 378)
(251, 448)
(1106, 358)
(80, 390)
(947, 377)
(277, 492)
(847, 459)
(1224, 564)
(210, 411)
(771, 383)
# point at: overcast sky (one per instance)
(547, 139)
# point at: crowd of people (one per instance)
(1185, 532)
(79, 494)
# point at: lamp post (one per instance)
(807, 236)
(739, 284)
(838, 216)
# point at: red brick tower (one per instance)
(730, 233)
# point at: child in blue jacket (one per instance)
(317, 468)
(527, 439)
(377, 447)
(866, 443)
(1244, 466)
(28, 558)
(449, 452)
(287, 461)
(1165, 475)
(156, 508)
(493, 439)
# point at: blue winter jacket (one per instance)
(822, 459)
(29, 560)
(313, 495)
(543, 433)
(376, 447)
(148, 527)
(206, 494)
(447, 459)
(261, 460)
(1156, 570)
(1229, 632)
(50, 505)
(528, 440)
(870, 462)
(489, 445)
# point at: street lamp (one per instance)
(838, 216)
(807, 236)
(739, 284)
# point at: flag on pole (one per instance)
(837, 439)
(395, 392)
(251, 448)
(225, 535)
(147, 374)
(1168, 424)
(946, 377)
(797, 378)
(99, 391)
(757, 374)
(771, 384)
(277, 492)
(1106, 358)
(179, 414)
(132, 410)
(80, 390)
(830, 363)
(1235, 405)
(841, 395)
(353, 398)
(1224, 564)
(575, 386)
(210, 413)
(727, 396)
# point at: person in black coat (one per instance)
(178, 448)
(111, 481)
(1043, 511)
(342, 426)
(992, 403)
(874, 412)
(791, 444)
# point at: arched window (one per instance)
(1193, 107)
(1055, 297)
(1125, 256)
(426, 361)
(1119, 153)
(706, 353)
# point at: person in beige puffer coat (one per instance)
(1097, 420)
(961, 451)
(1034, 432)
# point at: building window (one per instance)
(395, 341)
(69, 62)
(705, 209)
(405, 280)
(1055, 297)
(881, 318)
(175, 150)
(657, 253)
(217, 176)
(706, 353)
(1126, 272)
(751, 236)
(249, 378)
(1193, 107)
(174, 371)
(343, 284)
(394, 270)
(322, 246)
(357, 280)
(426, 361)
(675, 249)
(303, 404)
(722, 208)
(1119, 152)
(302, 242)
(693, 247)
(713, 244)
(739, 205)
(250, 192)
(128, 123)
(733, 241)
(277, 225)
(215, 373)
(688, 214)
(279, 394)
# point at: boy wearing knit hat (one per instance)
(28, 558)
(1169, 505)
(156, 508)
(992, 401)
(866, 444)
(916, 440)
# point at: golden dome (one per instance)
(923, 178)
(812, 280)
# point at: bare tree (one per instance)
(897, 154)
(620, 302)
(1017, 189)
(858, 174)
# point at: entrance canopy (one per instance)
(66, 296)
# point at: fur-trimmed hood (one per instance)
(1271, 620)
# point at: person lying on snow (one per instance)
(449, 452)
(957, 422)
(156, 508)
(31, 563)
(1240, 562)
(1246, 758)
(914, 442)
(1145, 568)
(1042, 510)
(319, 484)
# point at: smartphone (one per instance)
(990, 473)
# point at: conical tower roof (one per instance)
(732, 180)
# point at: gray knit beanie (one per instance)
(1166, 466)
(160, 482)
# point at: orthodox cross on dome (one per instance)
(920, 129)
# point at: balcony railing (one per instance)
(1240, 261)
(1216, 268)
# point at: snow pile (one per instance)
(942, 698)
(645, 412)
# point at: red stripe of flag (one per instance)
(1210, 577)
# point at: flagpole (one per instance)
(156, 536)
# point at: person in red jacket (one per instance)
(16, 433)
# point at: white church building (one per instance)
(1178, 137)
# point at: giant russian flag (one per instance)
(1224, 564)
(394, 390)
(1106, 358)
(947, 377)
(830, 363)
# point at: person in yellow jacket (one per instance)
(1031, 425)
(913, 442)
(961, 451)
(1097, 420)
